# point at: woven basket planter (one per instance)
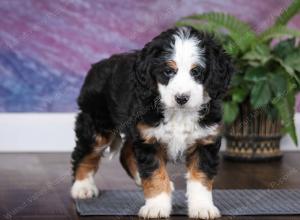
(253, 136)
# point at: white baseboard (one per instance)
(54, 132)
(36, 132)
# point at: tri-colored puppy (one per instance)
(160, 103)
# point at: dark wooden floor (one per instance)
(36, 186)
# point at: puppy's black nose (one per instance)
(182, 99)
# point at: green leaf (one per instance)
(286, 113)
(254, 63)
(284, 48)
(288, 13)
(278, 84)
(259, 53)
(278, 32)
(239, 94)
(260, 94)
(256, 74)
(293, 60)
(288, 69)
(237, 79)
(231, 48)
(262, 49)
(230, 112)
(239, 31)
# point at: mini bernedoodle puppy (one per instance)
(158, 104)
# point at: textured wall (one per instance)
(46, 47)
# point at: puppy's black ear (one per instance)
(220, 69)
(143, 68)
(145, 81)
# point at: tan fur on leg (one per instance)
(157, 191)
(90, 162)
(199, 192)
(84, 185)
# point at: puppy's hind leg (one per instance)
(129, 163)
(86, 157)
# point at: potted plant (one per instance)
(259, 107)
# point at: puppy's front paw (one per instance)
(84, 189)
(204, 211)
(157, 207)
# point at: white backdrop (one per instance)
(52, 132)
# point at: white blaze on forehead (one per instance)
(185, 53)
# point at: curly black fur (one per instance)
(146, 155)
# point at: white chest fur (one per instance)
(179, 130)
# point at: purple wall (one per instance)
(46, 47)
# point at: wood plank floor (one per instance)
(36, 186)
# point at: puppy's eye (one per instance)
(196, 72)
(169, 73)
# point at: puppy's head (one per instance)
(185, 67)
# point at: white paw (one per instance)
(157, 207)
(204, 212)
(200, 201)
(84, 189)
(154, 211)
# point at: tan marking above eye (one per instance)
(194, 66)
(172, 64)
